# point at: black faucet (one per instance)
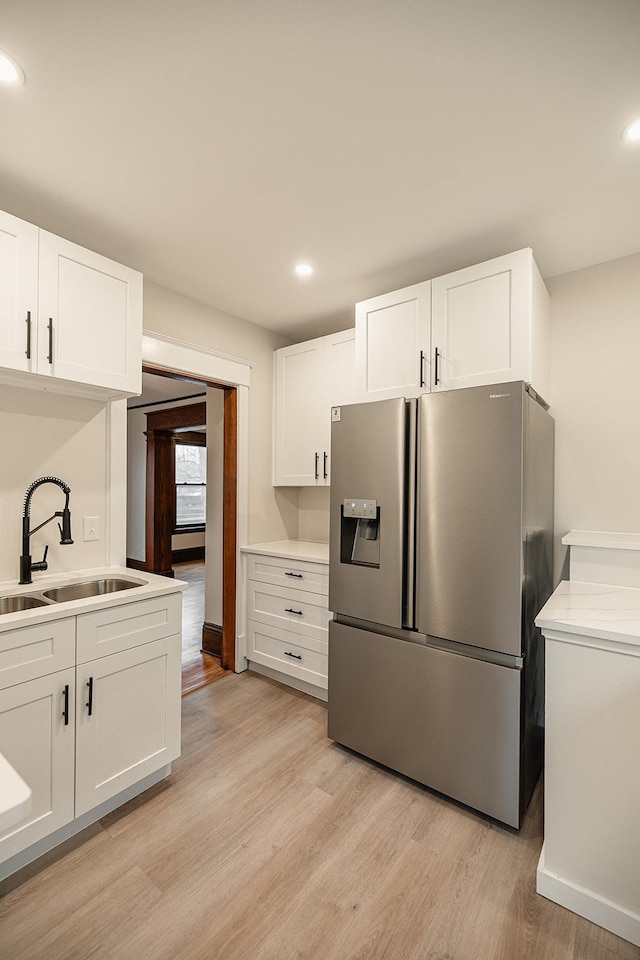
(26, 566)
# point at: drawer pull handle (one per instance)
(65, 712)
(89, 703)
(298, 575)
(296, 656)
(298, 613)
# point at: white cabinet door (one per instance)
(481, 323)
(128, 719)
(311, 377)
(392, 343)
(37, 738)
(298, 420)
(90, 317)
(18, 293)
(340, 385)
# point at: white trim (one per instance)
(241, 532)
(287, 681)
(184, 358)
(116, 547)
(587, 904)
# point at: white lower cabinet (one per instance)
(79, 736)
(287, 620)
(127, 719)
(37, 738)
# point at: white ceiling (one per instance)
(214, 143)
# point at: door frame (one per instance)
(175, 356)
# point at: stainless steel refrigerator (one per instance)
(440, 557)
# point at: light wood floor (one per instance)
(198, 669)
(269, 842)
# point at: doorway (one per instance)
(175, 429)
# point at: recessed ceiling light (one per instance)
(631, 133)
(303, 269)
(10, 71)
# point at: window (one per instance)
(191, 484)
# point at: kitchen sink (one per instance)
(20, 602)
(90, 588)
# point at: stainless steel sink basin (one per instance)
(90, 588)
(20, 602)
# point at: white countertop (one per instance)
(311, 550)
(151, 586)
(599, 538)
(15, 796)
(593, 610)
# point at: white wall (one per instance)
(595, 397)
(313, 513)
(47, 434)
(272, 512)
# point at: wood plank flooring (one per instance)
(270, 842)
(198, 668)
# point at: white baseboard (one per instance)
(624, 923)
(43, 846)
(288, 681)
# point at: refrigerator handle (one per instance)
(410, 519)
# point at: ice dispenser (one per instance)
(360, 532)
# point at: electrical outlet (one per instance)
(91, 528)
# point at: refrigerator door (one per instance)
(450, 722)
(470, 576)
(366, 553)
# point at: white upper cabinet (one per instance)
(311, 377)
(298, 414)
(18, 292)
(392, 343)
(489, 324)
(67, 314)
(89, 317)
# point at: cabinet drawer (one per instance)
(294, 610)
(288, 653)
(31, 652)
(312, 577)
(114, 629)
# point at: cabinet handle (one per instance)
(422, 368)
(65, 712)
(50, 329)
(324, 468)
(28, 322)
(288, 653)
(436, 378)
(298, 613)
(89, 703)
(298, 575)
(317, 476)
